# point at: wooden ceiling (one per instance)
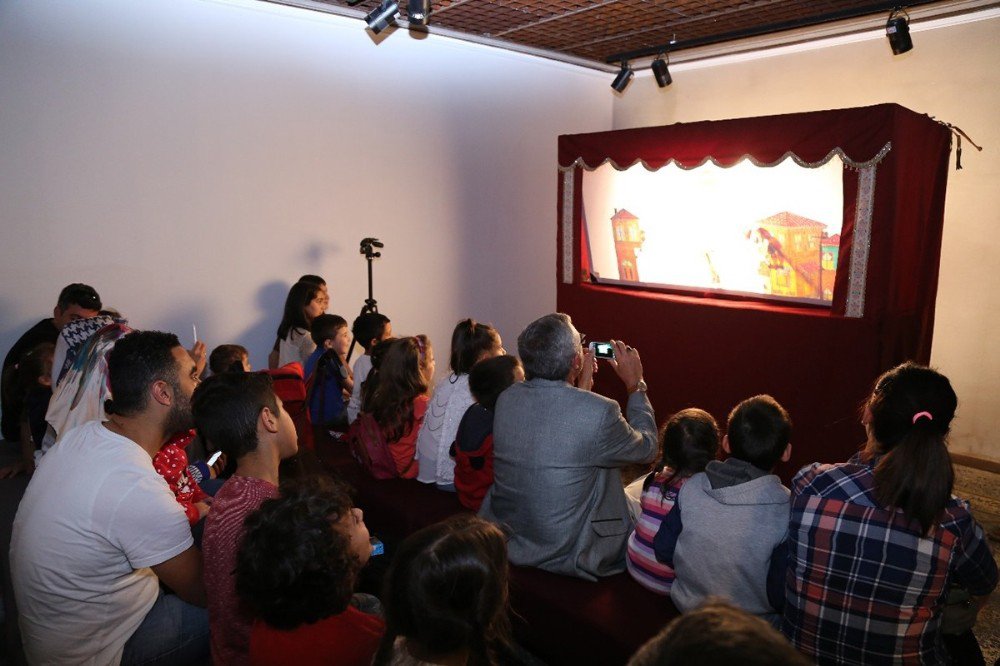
(601, 32)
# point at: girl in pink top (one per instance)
(396, 395)
(690, 440)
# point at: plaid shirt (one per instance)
(863, 586)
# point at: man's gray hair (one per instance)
(548, 346)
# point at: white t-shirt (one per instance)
(362, 366)
(437, 433)
(297, 347)
(95, 516)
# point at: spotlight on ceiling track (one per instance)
(897, 29)
(382, 16)
(661, 73)
(624, 77)
(419, 12)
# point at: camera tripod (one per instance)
(368, 246)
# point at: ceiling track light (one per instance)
(382, 16)
(624, 77)
(660, 71)
(897, 30)
(418, 12)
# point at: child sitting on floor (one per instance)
(328, 377)
(229, 358)
(690, 440)
(446, 597)
(369, 329)
(297, 567)
(473, 445)
(727, 520)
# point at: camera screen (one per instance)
(603, 350)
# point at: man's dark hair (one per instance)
(369, 326)
(759, 430)
(137, 360)
(79, 294)
(227, 358)
(226, 407)
(718, 634)
(325, 327)
(293, 566)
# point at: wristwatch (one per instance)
(640, 386)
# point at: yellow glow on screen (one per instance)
(771, 231)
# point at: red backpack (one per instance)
(290, 386)
(368, 446)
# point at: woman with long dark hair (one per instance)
(875, 543)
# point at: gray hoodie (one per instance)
(733, 515)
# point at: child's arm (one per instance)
(27, 461)
(776, 571)
(665, 540)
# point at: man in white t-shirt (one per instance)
(98, 529)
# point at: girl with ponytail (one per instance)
(875, 543)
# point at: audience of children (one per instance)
(727, 520)
(396, 397)
(297, 568)
(239, 414)
(446, 597)
(305, 302)
(328, 377)
(473, 447)
(874, 546)
(470, 342)
(690, 440)
(875, 543)
(368, 329)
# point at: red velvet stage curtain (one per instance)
(820, 364)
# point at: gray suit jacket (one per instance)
(557, 487)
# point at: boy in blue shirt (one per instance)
(328, 377)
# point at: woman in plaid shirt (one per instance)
(875, 543)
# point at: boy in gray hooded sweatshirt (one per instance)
(719, 536)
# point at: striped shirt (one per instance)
(641, 560)
(863, 584)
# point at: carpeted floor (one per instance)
(982, 490)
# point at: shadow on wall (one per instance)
(259, 336)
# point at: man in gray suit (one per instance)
(557, 452)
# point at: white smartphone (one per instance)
(214, 458)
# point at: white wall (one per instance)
(951, 74)
(189, 158)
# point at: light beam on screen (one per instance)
(769, 231)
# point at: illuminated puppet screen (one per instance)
(765, 231)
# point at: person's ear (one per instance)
(787, 454)
(725, 445)
(328, 343)
(268, 420)
(162, 392)
(373, 342)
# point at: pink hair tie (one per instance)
(916, 417)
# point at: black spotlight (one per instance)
(624, 77)
(382, 16)
(897, 29)
(661, 73)
(419, 12)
